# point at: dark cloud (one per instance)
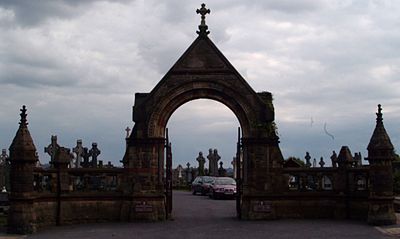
(30, 13)
(82, 61)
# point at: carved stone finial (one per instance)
(380, 140)
(203, 27)
(379, 117)
(23, 115)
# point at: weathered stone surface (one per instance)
(204, 72)
(380, 157)
(23, 158)
(268, 190)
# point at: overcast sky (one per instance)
(77, 64)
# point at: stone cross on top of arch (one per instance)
(203, 27)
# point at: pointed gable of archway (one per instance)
(201, 72)
(203, 57)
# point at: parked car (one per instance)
(223, 187)
(201, 185)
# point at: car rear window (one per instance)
(225, 181)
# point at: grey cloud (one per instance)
(34, 71)
(290, 7)
(30, 13)
(325, 60)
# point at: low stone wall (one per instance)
(298, 206)
(77, 208)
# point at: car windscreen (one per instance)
(225, 181)
(208, 179)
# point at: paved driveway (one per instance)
(201, 217)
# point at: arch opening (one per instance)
(163, 111)
(199, 125)
(196, 126)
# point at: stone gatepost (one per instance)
(341, 182)
(61, 161)
(23, 157)
(262, 177)
(380, 157)
(144, 184)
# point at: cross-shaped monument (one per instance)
(334, 159)
(78, 150)
(321, 162)
(52, 148)
(308, 157)
(201, 161)
(203, 27)
(3, 156)
(85, 156)
(128, 130)
(94, 152)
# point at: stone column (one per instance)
(262, 177)
(380, 157)
(23, 157)
(62, 159)
(144, 179)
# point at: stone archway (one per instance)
(137, 190)
(203, 72)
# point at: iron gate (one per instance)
(168, 177)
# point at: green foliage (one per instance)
(270, 127)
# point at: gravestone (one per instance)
(321, 162)
(216, 158)
(212, 168)
(78, 150)
(201, 161)
(94, 152)
(308, 157)
(3, 156)
(85, 156)
(334, 159)
(189, 173)
(128, 130)
(358, 159)
(221, 170)
(52, 149)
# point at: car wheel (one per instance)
(215, 197)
